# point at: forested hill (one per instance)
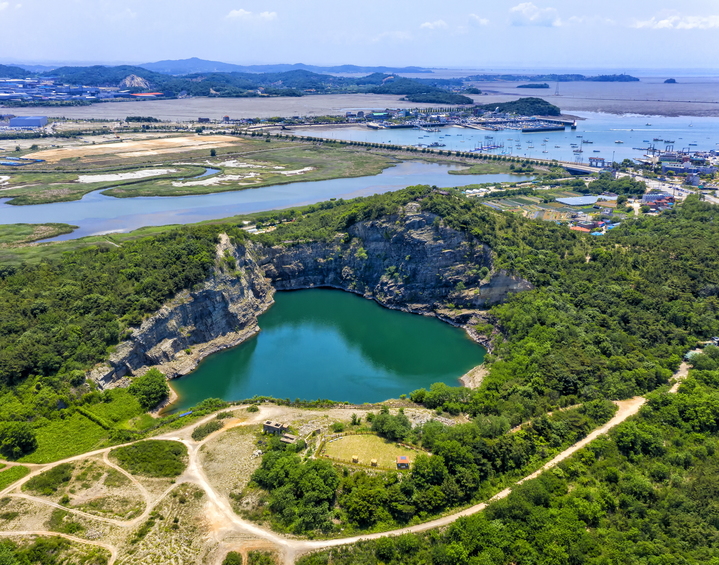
(610, 317)
(287, 82)
(9, 71)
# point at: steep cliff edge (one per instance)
(195, 324)
(409, 261)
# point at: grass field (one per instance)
(367, 447)
(486, 168)
(16, 234)
(64, 438)
(12, 474)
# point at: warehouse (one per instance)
(28, 122)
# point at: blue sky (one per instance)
(544, 34)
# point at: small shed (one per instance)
(403, 462)
(373, 463)
(355, 459)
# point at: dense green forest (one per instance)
(645, 495)
(609, 317)
(469, 462)
(242, 84)
(524, 106)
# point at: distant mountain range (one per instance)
(195, 65)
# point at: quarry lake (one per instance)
(331, 344)
(98, 214)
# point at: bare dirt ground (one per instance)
(137, 148)
(191, 519)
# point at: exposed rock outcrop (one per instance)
(409, 261)
(134, 81)
(195, 324)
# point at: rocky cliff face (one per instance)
(195, 324)
(409, 261)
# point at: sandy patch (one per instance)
(234, 164)
(4, 180)
(137, 148)
(123, 176)
(216, 180)
(297, 172)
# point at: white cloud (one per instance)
(246, 15)
(475, 19)
(438, 24)
(675, 21)
(527, 14)
(4, 5)
(588, 20)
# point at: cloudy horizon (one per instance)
(551, 34)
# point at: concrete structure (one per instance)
(288, 439)
(274, 428)
(28, 122)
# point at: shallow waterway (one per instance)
(96, 213)
(331, 344)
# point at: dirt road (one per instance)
(218, 508)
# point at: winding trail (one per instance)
(219, 506)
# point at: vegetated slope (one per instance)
(9, 71)
(609, 316)
(524, 106)
(645, 494)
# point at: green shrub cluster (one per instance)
(153, 458)
(204, 430)
(50, 481)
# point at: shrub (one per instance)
(50, 481)
(153, 458)
(253, 408)
(204, 430)
(150, 389)
(16, 439)
(232, 558)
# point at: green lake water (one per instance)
(331, 344)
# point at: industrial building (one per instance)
(28, 122)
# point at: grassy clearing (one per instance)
(486, 168)
(367, 447)
(49, 482)
(118, 407)
(38, 188)
(204, 430)
(152, 458)
(60, 439)
(11, 475)
(17, 234)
